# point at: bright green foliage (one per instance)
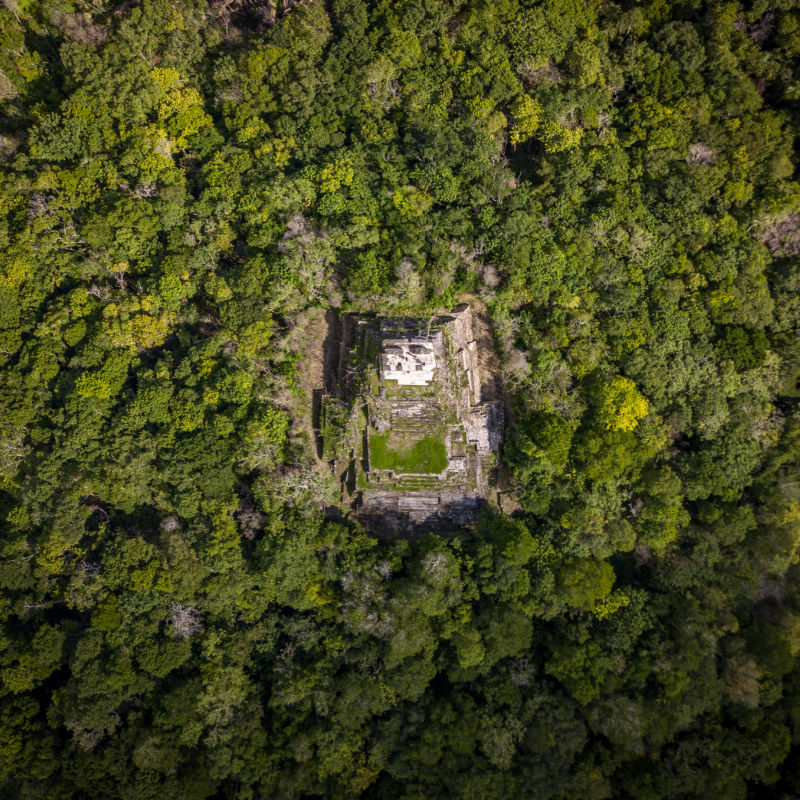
(527, 114)
(621, 405)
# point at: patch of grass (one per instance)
(374, 381)
(425, 455)
(395, 390)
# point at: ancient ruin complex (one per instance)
(412, 419)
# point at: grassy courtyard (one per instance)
(402, 453)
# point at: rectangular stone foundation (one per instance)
(419, 389)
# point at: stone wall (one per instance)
(472, 351)
(390, 513)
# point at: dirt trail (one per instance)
(314, 368)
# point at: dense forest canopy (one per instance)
(187, 187)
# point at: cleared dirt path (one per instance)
(313, 369)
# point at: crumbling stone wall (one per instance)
(481, 408)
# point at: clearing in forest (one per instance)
(412, 418)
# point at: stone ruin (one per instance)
(408, 357)
(412, 419)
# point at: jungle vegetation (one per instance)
(186, 185)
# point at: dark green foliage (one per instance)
(187, 187)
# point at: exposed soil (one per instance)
(316, 369)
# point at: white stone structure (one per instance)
(409, 361)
